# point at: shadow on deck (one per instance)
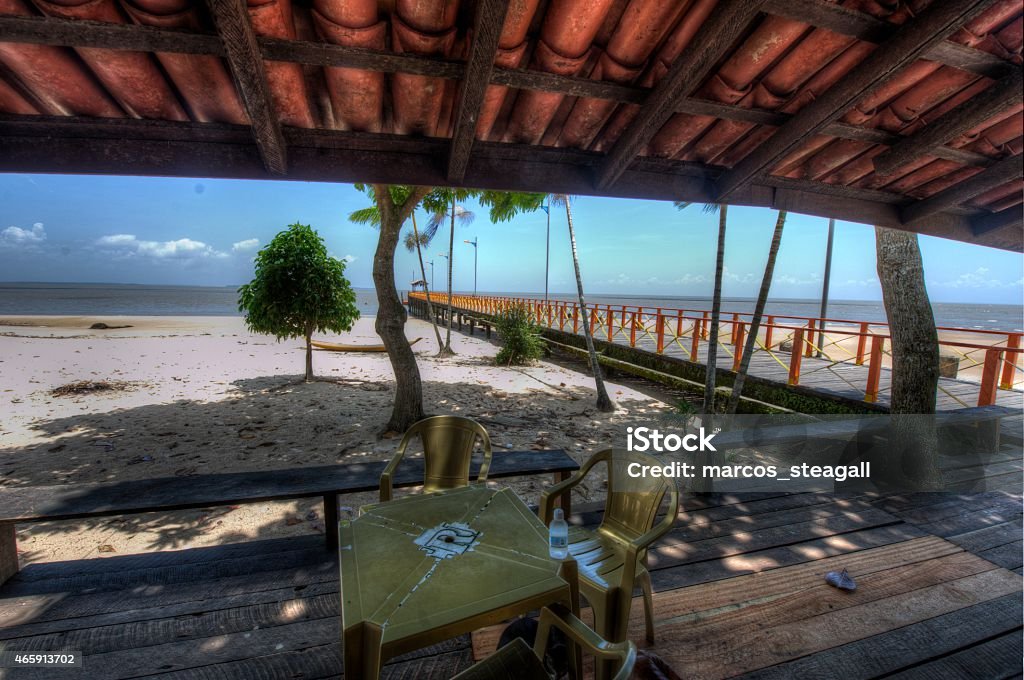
(739, 592)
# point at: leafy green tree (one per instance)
(298, 289)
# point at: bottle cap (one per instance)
(559, 514)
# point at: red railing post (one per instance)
(810, 338)
(593, 320)
(862, 343)
(659, 330)
(704, 326)
(874, 368)
(989, 373)
(1010, 365)
(732, 330)
(632, 330)
(695, 341)
(768, 332)
(737, 357)
(575, 319)
(611, 321)
(679, 324)
(795, 356)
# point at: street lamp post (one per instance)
(431, 263)
(476, 250)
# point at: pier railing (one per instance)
(989, 358)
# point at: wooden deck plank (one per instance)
(894, 650)
(988, 660)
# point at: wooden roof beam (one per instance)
(1010, 218)
(246, 62)
(718, 33)
(907, 45)
(1000, 96)
(490, 17)
(1002, 172)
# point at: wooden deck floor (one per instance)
(739, 592)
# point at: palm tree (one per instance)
(414, 240)
(755, 323)
(504, 206)
(441, 204)
(716, 311)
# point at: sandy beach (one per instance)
(201, 394)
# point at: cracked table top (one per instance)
(426, 563)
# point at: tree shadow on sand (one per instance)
(273, 423)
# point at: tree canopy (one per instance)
(298, 289)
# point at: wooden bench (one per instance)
(29, 504)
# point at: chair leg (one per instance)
(645, 585)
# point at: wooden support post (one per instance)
(550, 312)
(659, 330)
(593, 320)
(862, 343)
(796, 356)
(989, 377)
(734, 327)
(769, 327)
(995, 175)
(679, 323)
(704, 325)
(1010, 362)
(737, 357)
(8, 551)
(575, 319)
(331, 520)
(611, 321)
(632, 330)
(874, 368)
(698, 330)
(810, 338)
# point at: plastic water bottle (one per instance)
(558, 536)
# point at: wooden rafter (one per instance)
(718, 33)
(907, 45)
(490, 16)
(1000, 96)
(1009, 219)
(52, 31)
(246, 62)
(1002, 172)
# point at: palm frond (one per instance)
(368, 215)
(410, 240)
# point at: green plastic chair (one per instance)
(448, 443)
(612, 558)
(517, 661)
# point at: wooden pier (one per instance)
(835, 357)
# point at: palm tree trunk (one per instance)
(447, 350)
(604, 402)
(716, 313)
(391, 315)
(426, 289)
(755, 323)
(915, 358)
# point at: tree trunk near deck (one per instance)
(716, 314)
(915, 357)
(426, 288)
(391, 315)
(309, 354)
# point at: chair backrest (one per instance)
(632, 503)
(448, 450)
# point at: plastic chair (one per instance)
(612, 559)
(516, 661)
(447, 452)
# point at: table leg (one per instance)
(331, 520)
(361, 646)
(569, 572)
(565, 500)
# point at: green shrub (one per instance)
(520, 337)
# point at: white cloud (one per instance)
(17, 236)
(977, 279)
(245, 246)
(179, 249)
(349, 259)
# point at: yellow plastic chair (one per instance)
(516, 661)
(447, 452)
(613, 558)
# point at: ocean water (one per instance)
(82, 299)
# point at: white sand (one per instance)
(207, 396)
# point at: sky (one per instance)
(67, 228)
